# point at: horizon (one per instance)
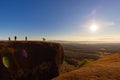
(63, 41)
(68, 20)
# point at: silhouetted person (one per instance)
(26, 38)
(43, 39)
(9, 39)
(15, 38)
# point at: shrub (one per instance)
(69, 60)
(83, 62)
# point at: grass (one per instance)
(107, 68)
(83, 62)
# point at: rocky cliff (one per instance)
(29, 60)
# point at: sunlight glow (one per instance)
(93, 27)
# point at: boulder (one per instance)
(30, 60)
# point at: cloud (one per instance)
(92, 13)
(107, 23)
(109, 38)
(101, 24)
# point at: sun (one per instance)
(94, 27)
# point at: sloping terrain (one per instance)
(30, 60)
(107, 68)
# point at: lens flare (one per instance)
(5, 61)
(24, 53)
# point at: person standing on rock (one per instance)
(15, 38)
(9, 39)
(26, 38)
(44, 39)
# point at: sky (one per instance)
(68, 20)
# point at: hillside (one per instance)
(107, 68)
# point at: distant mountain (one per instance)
(81, 42)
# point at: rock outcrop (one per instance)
(30, 60)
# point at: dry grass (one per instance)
(107, 68)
